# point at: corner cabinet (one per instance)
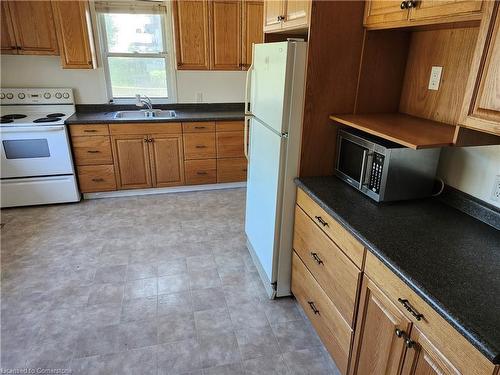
(481, 110)
(283, 15)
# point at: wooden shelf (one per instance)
(406, 130)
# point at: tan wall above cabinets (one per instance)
(49, 28)
(140, 156)
(216, 34)
(286, 15)
(382, 14)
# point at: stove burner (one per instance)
(58, 114)
(5, 120)
(47, 119)
(13, 116)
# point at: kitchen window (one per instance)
(135, 43)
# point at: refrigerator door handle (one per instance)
(245, 136)
(247, 82)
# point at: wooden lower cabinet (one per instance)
(378, 348)
(201, 171)
(166, 158)
(199, 146)
(131, 157)
(92, 150)
(232, 170)
(95, 178)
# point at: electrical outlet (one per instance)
(435, 77)
(495, 193)
(199, 97)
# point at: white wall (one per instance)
(471, 170)
(90, 86)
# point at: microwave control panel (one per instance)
(376, 173)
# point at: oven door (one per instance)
(353, 157)
(35, 151)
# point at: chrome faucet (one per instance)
(141, 101)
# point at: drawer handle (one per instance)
(244, 169)
(313, 307)
(316, 258)
(402, 334)
(321, 221)
(201, 146)
(200, 127)
(89, 130)
(98, 179)
(93, 151)
(406, 304)
(201, 173)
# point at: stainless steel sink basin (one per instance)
(144, 114)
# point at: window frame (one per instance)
(165, 24)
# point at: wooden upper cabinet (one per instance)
(423, 358)
(74, 32)
(225, 34)
(444, 8)
(253, 15)
(167, 162)
(273, 12)
(296, 14)
(191, 22)
(377, 348)
(482, 105)
(8, 41)
(33, 25)
(131, 158)
(384, 12)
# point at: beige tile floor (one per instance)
(159, 284)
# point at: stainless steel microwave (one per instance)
(383, 170)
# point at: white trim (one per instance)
(271, 293)
(166, 190)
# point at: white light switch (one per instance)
(435, 77)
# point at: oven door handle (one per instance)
(363, 168)
(33, 129)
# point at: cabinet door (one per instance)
(226, 35)
(74, 33)
(483, 110)
(167, 161)
(33, 24)
(273, 11)
(380, 12)
(444, 8)
(253, 32)
(230, 145)
(131, 157)
(423, 358)
(296, 14)
(8, 41)
(191, 31)
(377, 348)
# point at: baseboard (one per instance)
(173, 189)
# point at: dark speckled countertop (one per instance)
(104, 113)
(449, 258)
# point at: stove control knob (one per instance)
(10, 95)
(2, 96)
(47, 95)
(66, 95)
(21, 95)
(58, 95)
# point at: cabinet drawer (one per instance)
(232, 170)
(333, 270)
(230, 144)
(349, 245)
(229, 126)
(198, 127)
(90, 129)
(200, 171)
(466, 358)
(92, 150)
(332, 329)
(199, 146)
(94, 178)
(146, 128)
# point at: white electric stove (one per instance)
(36, 163)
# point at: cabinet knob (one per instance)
(403, 5)
(313, 307)
(321, 221)
(411, 4)
(201, 146)
(407, 305)
(316, 258)
(281, 18)
(98, 179)
(399, 332)
(93, 151)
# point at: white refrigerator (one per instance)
(273, 124)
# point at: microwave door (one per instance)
(352, 161)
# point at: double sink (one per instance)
(144, 114)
